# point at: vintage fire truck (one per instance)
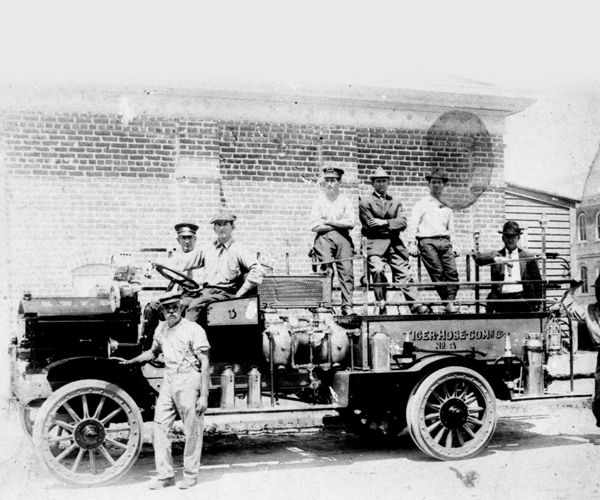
(438, 375)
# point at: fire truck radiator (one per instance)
(295, 291)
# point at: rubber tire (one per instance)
(68, 394)
(481, 427)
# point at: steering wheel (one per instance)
(180, 279)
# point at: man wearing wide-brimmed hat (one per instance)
(431, 228)
(183, 392)
(228, 268)
(332, 218)
(510, 266)
(382, 218)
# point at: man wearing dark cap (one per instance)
(228, 268)
(382, 219)
(186, 237)
(332, 218)
(510, 266)
(183, 392)
(431, 228)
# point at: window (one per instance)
(598, 226)
(583, 274)
(581, 227)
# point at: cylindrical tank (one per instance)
(227, 388)
(254, 388)
(534, 355)
(380, 352)
(340, 347)
(279, 334)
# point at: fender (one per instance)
(70, 370)
(346, 383)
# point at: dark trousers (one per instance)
(438, 258)
(507, 307)
(206, 296)
(596, 400)
(397, 258)
(337, 246)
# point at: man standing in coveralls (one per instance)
(184, 390)
(382, 219)
(332, 218)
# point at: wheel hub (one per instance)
(454, 413)
(89, 434)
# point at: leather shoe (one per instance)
(187, 482)
(346, 310)
(382, 310)
(420, 309)
(159, 484)
(451, 308)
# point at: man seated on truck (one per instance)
(509, 266)
(186, 237)
(229, 268)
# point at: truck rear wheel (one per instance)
(451, 413)
(89, 432)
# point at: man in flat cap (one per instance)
(228, 268)
(509, 266)
(431, 228)
(382, 219)
(186, 237)
(183, 392)
(332, 218)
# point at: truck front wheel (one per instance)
(89, 432)
(451, 413)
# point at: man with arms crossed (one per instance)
(382, 219)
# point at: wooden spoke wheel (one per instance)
(88, 433)
(451, 413)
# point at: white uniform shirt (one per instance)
(430, 217)
(339, 210)
(180, 345)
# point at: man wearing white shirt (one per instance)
(332, 218)
(431, 228)
(510, 266)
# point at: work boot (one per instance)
(346, 310)
(187, 482)
(159, 484)
(450, 308)
(420, 309)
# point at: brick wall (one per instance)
(84, 185)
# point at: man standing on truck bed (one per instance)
(332, 218)
(184, 390)
(432, 227)
(383, 219)
(509, 266)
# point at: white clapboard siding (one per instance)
(527, 206)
